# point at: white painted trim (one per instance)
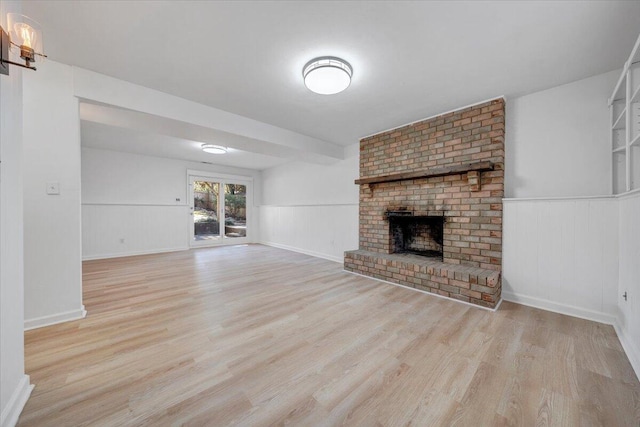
(235, 241)
(164, 205)
(632, 352)
(310, 205)
(303, 251)
(428, 293)
(560, 308)
(222, 176)
(12, 411)
(435, 115)
(134, 253)
(631, 193)
(67, 316)
(556, 199)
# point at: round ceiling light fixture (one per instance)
(214, 149)
(327, 75)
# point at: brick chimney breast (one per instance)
(450, 165)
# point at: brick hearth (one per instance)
(453, 166)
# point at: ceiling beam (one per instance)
(186, 119)
(148, 123)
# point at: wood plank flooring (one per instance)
(257, 336)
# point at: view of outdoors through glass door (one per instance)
(215, 215)
(235, 210)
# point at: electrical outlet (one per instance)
(53, 188)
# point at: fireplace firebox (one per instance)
(418, 235)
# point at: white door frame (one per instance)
(222, 179)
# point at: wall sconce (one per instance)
(24, 34)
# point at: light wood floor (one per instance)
(257, 336)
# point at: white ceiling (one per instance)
(411, 59)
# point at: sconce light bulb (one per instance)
(26, 33)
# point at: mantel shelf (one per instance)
(429, 173)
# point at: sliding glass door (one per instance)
(235, 211)
(219, 210)
(205, 210)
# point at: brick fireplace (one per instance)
(431, 205)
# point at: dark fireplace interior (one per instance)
(419, 235)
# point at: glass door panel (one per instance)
(235, 211)
(219, 211)
(206, 211)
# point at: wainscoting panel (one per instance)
(110, 230)
(562, 255)
(629, 321)
(325, 231)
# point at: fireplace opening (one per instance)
(419, 235)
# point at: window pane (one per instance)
(235, 210)
(205, 212)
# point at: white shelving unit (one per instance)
(624, 106)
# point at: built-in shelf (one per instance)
(624, 105)
(619, 123)
(429, 173)
(635, 95)
(619, 91)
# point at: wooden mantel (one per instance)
(428, 173)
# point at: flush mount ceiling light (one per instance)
(327, 75)
(214, 149)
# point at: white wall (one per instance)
(562, 255)
(577, 256)
(557, 144)
(53, 226)
(310, 208)
(52, 240)
(566, 254)
(133, 197)
(557, 140)
(14, 384)
(629, 264)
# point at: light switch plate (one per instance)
(53, 188)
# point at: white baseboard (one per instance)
(560, 308)
(305, 251)
(11, 412)
(40, 322)
(633, 354)
(133, 253)
(428, 293)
